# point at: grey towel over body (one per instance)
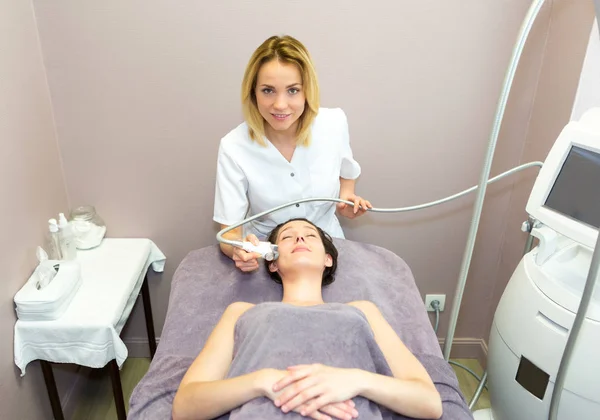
(278, 335)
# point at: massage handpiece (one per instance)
(266, 249)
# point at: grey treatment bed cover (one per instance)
(206, 282)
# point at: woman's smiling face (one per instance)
(279, 95)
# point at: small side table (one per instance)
(88, 333)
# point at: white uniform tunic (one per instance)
(252, 178)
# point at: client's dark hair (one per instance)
(328, 273)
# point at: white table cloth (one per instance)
(87, 333)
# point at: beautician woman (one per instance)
(288, 148)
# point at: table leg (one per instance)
(115, 378)
(52, 392)
(149, 321)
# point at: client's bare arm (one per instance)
(203, 393)
(411, 391)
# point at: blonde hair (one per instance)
(285, 49)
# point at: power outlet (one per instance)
(431, 298)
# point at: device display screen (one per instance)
(576, 192)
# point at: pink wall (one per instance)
(32, 191)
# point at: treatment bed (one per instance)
(206, 282)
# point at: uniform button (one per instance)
(297, 205)
(292, 174)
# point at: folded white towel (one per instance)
(35, 303)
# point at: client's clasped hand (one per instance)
(316, 391)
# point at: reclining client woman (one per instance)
(302, 357)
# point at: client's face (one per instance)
(300, 245)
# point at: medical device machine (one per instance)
(537, 311)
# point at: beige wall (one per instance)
(143, 91)
(32, 191)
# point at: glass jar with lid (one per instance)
(88, 227)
